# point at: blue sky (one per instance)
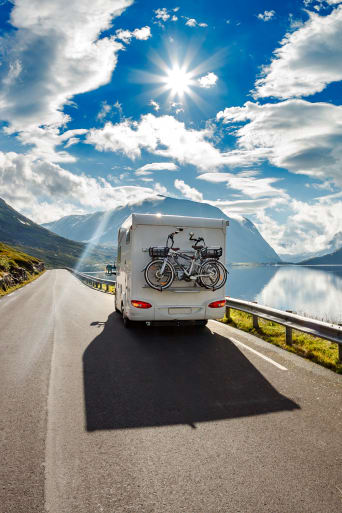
(109, 102)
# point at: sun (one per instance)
(178, 80)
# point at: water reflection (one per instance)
(314, 291)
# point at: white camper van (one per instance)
(182, 302)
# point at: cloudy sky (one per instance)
(238, 104)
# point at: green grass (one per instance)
(316, 349)
(32, 277)
(11, 261)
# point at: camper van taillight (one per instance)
(140, 304)
(217, 304)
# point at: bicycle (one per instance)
(204, 267)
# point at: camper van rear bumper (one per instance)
(177, 313)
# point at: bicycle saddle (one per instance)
(197, 247)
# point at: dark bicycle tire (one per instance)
(150, 274)
(216, 281)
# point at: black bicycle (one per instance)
(202, 265)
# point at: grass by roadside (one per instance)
(17, 269)
(32, 277)
(316, 349)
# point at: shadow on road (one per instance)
(160, 376)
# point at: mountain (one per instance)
(29, 237)
(333, 245)
(244, 242)
(334, 258)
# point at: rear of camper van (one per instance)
(184, 302)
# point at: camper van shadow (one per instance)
(163, 376)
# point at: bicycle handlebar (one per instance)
(197, 241)
(171, 238)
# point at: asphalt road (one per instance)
(96, 418)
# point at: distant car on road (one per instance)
(110, 269)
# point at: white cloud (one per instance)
(54, 54)
(126, 36)
(44, 191)
(188, 192)
(208, 80)
(307, 60)
(142, 34)
(167, 137)
(162, 14)
(266, 15)
(247, 206)
(148, 169)
(176, 107)
(155, 105)
(247, 182)
(308, 229)
(192, 22)
(303, 137)
(104, 111)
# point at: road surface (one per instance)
(98, 418)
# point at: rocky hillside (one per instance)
(244, 241)
(16, 268)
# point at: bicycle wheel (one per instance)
(213, 274)
(157, 280)
(223, 275)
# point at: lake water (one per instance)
(315, 291)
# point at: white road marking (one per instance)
(257, 353)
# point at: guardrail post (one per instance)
(339, 357)
(255, 322)
(228, 313)
(288, 335)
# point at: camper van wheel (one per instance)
(202, 324)
(115, 307)
(126, 321)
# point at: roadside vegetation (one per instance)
(315, 349)
(17, 269)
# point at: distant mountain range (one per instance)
(333, 245)
(244, 241)
(25, 235)
(334, 258)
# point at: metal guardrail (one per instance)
(96, 283)
(291, 321)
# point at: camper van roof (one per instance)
(167, 220)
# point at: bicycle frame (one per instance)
(187, 271)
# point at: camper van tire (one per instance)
(126, 322)
(115, 306)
